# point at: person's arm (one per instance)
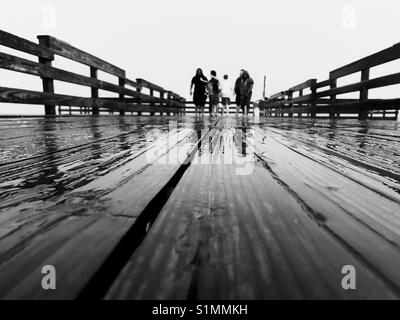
(191, 87)
(237, 90)
(251, 86)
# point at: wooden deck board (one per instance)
(278, 223)
(77, 232)
(235, 236)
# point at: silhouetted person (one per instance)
(246, 91)
(226, 93)
(199, 83)
(237, 91)
(213, 91)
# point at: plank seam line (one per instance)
(103, 279)
(311, 212)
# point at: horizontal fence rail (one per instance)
(130, 92)
(191, 108)
(323, 99)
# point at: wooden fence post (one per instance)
(168, 105)
(95, 91)
(121, 82)
(363, 112)
(313, 99)
(300, 113)
(290, 97)
(152, 102)
(48, 84)
(139, 91)
(333, 85)
(162, 101)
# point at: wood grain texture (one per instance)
(66, 50)
(77, 232)
(260, 236)
(17, 43)
(33, 97)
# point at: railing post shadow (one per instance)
(48, 83)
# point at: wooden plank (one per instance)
(77, 234)
(304, 98)
(366, 84)
(12, 95)
(68, 51)
(149, 85)
(228, 236)
(94, 90)
(304, 85)
(29, 67)
(277, 95)
(17, 43)
(322, 84)
(132, 83)
(359, 210)
(373, 60)
(48, 82)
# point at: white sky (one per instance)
(164, 41)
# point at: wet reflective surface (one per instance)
(254, 190)
(44, 158)
(374, 142)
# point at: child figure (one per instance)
(226, 94)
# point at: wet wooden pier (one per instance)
(185, 207)
(132, 208)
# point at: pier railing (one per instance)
(323, 97)
(130, 92)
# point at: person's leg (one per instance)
(225, 108)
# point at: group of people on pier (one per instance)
(220, 92)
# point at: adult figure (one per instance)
(246, 91)
(237, 91)
(213, 91)
(199, 83)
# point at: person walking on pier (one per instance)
(199, 82)
(226, 93)
(213, 91)
(237, 92)
(246, 91)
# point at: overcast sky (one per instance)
(164, 41)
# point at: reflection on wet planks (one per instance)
(285, 229)
(101, 198)
(263, 210)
